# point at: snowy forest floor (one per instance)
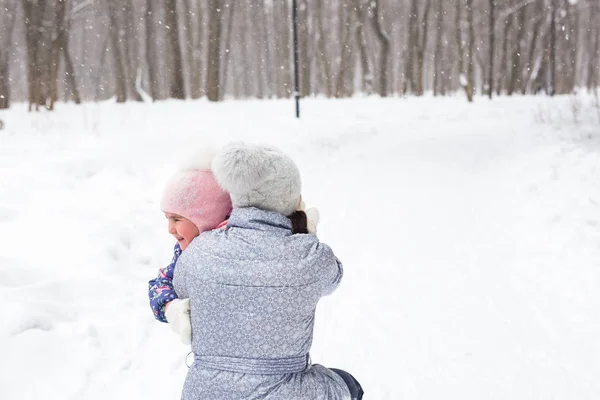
(470, 236)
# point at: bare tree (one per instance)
(7, 19)
(189, 44)
(503, 70)
(282, 18)
(213, 73)
(346, 56)
(151, 52)
(470, 88)
(57, 45)
(303, 40)
(70, 79)
(492, 29)
(384, 51)
(33, 13)
(266, 47)
(438, 55)
(533, 66)
(593, 45)
(115, 50)
(571, 41)
(516, 74)
(552, 61)
(174, 64)
(459, 45)
(227, 53)
(197, 59)
(129, 39)
(411, 44)
(366, 82)
(421, 47)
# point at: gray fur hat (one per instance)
(258, 176)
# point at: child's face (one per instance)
(182, 229)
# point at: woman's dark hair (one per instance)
(299, 222)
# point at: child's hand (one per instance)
(312, 217)
(177, 313)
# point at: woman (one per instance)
(254, 286)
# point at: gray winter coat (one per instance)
(253, 290)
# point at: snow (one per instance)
(469, 235)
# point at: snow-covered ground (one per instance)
(470, 235)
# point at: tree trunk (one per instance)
(384, 50)
(421, 47)
(492, 29)
(409, 62)
(213, 73)
(470, 89)
(303, 36)
(322, 56)
(248, 60)
(70, 79)
(174, 62)
(98, 84)
(573, 41)
(593, 46)
(532, 69)
(130, 51)
(8, 20)
(366, 81)
(285, 46)
(227, 53)
(502, 73)
(58, 45)
(151, 53)
(346, 56)
(459, 43)
(552, 62)
(273, 32)
(198, 55)
(517, 73)
(119, 70)
(190, 45)
(590, 39)
(437, 60)
(253, 23)
(33, 14)
(266, 46)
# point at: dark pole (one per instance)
(492, 37)
(295, 36)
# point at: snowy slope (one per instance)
(469, 233)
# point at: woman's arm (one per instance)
(332, 270)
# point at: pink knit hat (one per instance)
(195, 194)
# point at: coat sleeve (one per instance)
(161, 290)
(180, 277)
(332, 270)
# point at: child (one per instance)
(253, 289)
(193, 202)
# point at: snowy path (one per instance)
(469, 236)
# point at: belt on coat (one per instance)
(252, 365)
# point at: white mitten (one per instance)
(312, 217)
(178, 316)
(312, 220)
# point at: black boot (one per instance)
(356, 390)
